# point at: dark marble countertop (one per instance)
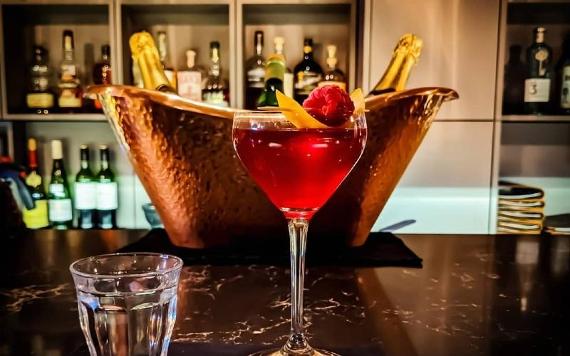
(475, 295)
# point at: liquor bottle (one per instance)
(164, 59)
(37, 217)
(308, 73)
(215, 91)
(85, 192)
(333, 76)
(255, 73)
(537, 83)
(107, 195)
(288, 80)
(102, 71)
(515, 75)
(274, 77)
(59, 199)
(70, 95)
(190, 79)
(404, 57)
(563, 70)
(146, 59)
(40, 98)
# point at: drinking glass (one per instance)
(298, 169)
(127, 302)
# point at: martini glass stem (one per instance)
(297, 343)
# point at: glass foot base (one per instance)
(280, 352)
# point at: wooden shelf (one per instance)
(56, 117)
(536, 118)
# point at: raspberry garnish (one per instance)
(330, 105)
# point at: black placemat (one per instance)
(380, 249)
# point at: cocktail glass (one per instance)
(127, 302)
(298, 169)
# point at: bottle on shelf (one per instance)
(102, 71)
(274, 78)
(107, 193)
(538, 80)
(59, 200)
(169, 70)
(405, 56)
(40, 98)
(190, 79)
(146, 59)
(255, 73)
(216, 90)
(288, 81)
(70, 94)
(308, 73)
(85, 192)
(333, 75)
(515, 75)
(37, 217)
(563, 70)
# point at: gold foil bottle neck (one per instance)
(146, 57)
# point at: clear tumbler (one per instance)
(127, 302)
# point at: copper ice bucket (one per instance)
(182, 152)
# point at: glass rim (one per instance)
(177, 266)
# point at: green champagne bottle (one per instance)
(107, 195)
(59, 199)
(37, 217)
(274, 77)
(85, 192)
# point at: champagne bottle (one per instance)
(85, 192)
(146, 58)
(37, 217)
(274, 78)
(107, 199)
(59, 203)
(255, 73)
(404, 57)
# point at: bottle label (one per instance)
(33, 179)
(288, 84)
(190, 85)
(68, 72)
(56, 189)
(107, 196)
(39, 100)
(215, 98)
(37, 217)
(537, 90)
(341, 85)
(256, 77)
(60, 210)
(565, 89)
(69, 98)
(85, 195)
(306, 82)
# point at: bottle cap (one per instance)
(56, 149)
(83, 147)
(190, 58)
(279, 42)
(214, 44)
(106, 50)
(32, 144)
(103, 147)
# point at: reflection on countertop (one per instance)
(475, 295)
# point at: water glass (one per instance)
(127, 302)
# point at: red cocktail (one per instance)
(299, 169)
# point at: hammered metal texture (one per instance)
(182, 152)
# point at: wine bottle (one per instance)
(145, 56)
(70, 96)
(537, 83)
(164, 59)
(404, 57)
(216, 90)
(107, 195)
(288, 80)
(190, 79)
(308, 73)
(102, 71)
(40, 98)
(37, 217)
(85, 192)
(255, 73)
(274, 77)
(563, 70)
(333, 76)
(59, 199)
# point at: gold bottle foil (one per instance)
(182, 152)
